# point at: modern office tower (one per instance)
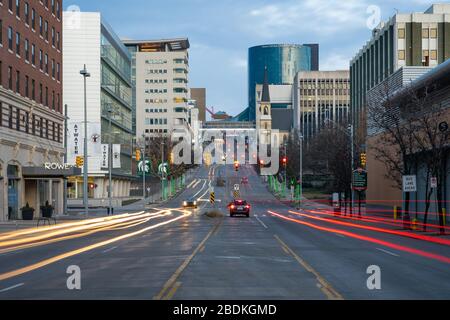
(89, 40)
(406, 39)
(160, 71)
(282, 61)
(199, 95)
(320, 97)
(31, 108)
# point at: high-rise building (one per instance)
(282, 61)
(320, 97)
(89, 40)
(199, 95)
(31, 109)
(406, 39)
(160, 72)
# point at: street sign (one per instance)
(236, 187)
(443, 126)
(236, 194)
(140, 167)
(359, 181)
(409, 183)
(433, 182)
(163, 169)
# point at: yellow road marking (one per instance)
(172, 280)
(172, 291)
(324, 286)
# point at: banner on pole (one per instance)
(116, 156)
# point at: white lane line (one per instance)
(12, 287)
(227, 257)
(195, 184)
(109, 249)
(388, 252)
(339, 235)
(192, 182)
(201, 189)
(262, 223)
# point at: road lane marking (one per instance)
(388, 252)
(324, 286)
(192, 182)
(172, 291)
(262, 223)
(12, 287)
(228, 257)
(339, 235)
(109, 249)
(172, 280)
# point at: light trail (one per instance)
(367, 239)
(59, 257)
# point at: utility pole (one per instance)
(144, 167)
(162, 171)
(300, 140)
(65, 161)
(85, 75)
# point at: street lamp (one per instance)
(300, 139)
(110, 158)
(85, 75)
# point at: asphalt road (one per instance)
(170, 253)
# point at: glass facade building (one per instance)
(283, 61)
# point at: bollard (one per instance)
(444, 216)
(414, 224)
(395, 212)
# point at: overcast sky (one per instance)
(221, 31)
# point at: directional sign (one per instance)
(163, 169)
(236, 187)
(359, 181)
(433, 182)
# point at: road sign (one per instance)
(236, 187)
(236, 194)
(163, 169)
(433, 182)
(409, 183)
(443, 126)
(212, 197)
(359, 181)
(141, 168)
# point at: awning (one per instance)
(47, 173)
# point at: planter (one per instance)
(47, 212)
(27, 213)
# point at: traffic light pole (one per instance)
(144, 167)
(110, 111)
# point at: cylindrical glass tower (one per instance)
(283, 61)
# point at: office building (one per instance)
(89, 40)
(406, 39)
(282, 61)
(320, 98)
(199, 95)
(31, 110)
(160, 71)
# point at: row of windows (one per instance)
(426, 33)
(28, 51)
(17, 119)
(44, 30)
(426, 55)
(160, 71)
(155, 100)
(155, 110)
(324, 92)
(154, 131)
(155, 90)
(155, 121)
(27, 87)
(155, 80)
(155, 61)
(54, 5)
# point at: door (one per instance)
(13, 199)
(55, 196)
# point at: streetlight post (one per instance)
(300, 140)
(110, 113)
(85, 75)
(144, 167)
(350, 128)
(65, 160)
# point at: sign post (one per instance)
(409, 185)
(359, 184)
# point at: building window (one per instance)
(41, 26)
(10, 5)
(433, 33)
(58, 10)
(58, 102)
(433, 54)
(46, 29)
(1, 32)
(57, 41)
(53, 37)
(18, 43)
(46, 63)
(53, 68)
(401, 33)
(425, 33)
(18, 82)
(18, 8)
(27, 50)
(33, 19)
(425, 58)
(58, 72)
(53, 6)
(33, 88)
(41, 60)
(53, 100)
(27, 13)
(41, 93)
(10, 78)
(27, 89)
(46, 96)
(10, 38)
(401, 54)
(33, 54)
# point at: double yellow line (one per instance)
(172, 285)
(323, 285)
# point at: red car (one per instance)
(239, 207)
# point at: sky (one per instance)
(221, 31)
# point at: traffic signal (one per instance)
(79, 161)
(138, 155)
(284, 160)
(363, 159)
(261, 163)
(236, 166)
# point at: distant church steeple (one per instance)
(265, 96)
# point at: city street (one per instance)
(168, 252)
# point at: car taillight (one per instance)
(247, 207)
(232, 206)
